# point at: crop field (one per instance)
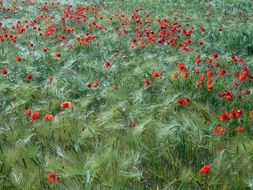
(126, 95)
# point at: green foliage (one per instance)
(123, 135)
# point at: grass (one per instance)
(123, 134)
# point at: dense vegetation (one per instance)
(126, 94)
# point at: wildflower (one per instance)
(66, 104)
(29, 76)
(89, 84)
(183, 101)
(147, 82)
(223, 116)
(52, 177)
(205, 169)
(18, 59)
(215, 55)
(181, 67)
(4, 72)
(107, 64)
(57, 55)
(28, 112)
(95, 84)
(44, 50)
(240, 129)
(49, 117)
(222, 72)
(35, 115)
(218, 130)
(156, 74)
(185, 75)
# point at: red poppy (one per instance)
(234, 58)
(49, 117)
(232, 114)
(57, 55)
(215, 55)
(66, 104)
(107, 64)
(18, 59)
(223, 116)
(222, 72)
(156, 74)
(240, 129)
(89, 84)
(181, 67)
(52, 177)
(205, 169)
(218, 130)
(210, 74)
(198, 61)
(28, 112)
(209, 60)
(116, 54)
(35, 115)
(30, 45)
(96, 84)
(4, 72)
(147, 82)
(29, 76)
(183, 101)
(239, 113)
(185, 75)
(44, 50)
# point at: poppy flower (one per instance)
(183, 101)
(205, 169)
(107, 64)
(52, 177)
(240, 129)
(28, 112)
(218, 130)
(222, 72)
(234, 58)
(29, 76)
(198, 61)
(185, 75)
(18, 59)
(181, 67)
(232, 114)
(209, 60)
(57, 55)
(4, 72)
(35, 115)
(147, 82)
(223, 116)
(89, 84)
(44, 50)
(95, 84)
(210, 74)
(66, 104)
(116, 54)
(215, 55)
(156, 74)
(239, 113)
(49, 117)
(30, 45)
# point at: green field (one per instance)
(126, 95)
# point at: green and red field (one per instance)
(126, 95)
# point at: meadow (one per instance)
(126, 94)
